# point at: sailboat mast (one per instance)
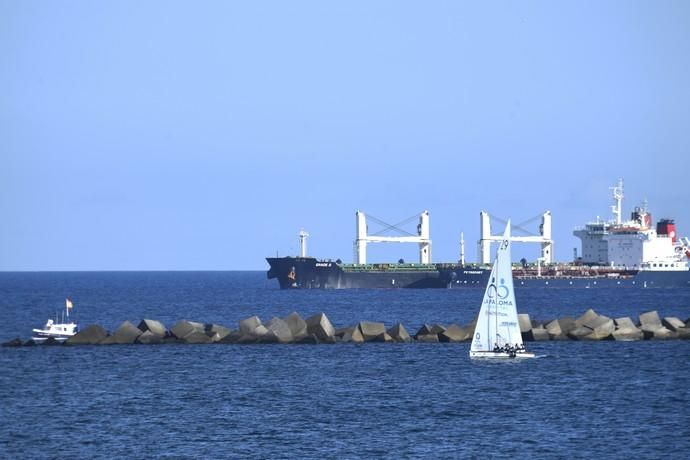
(488, 323)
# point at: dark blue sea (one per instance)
(578, 400)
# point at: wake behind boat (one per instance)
(58, 330)
(497, 333)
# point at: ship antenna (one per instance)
(617, 207)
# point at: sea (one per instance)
(576, 400)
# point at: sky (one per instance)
(180, 135)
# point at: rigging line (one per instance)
(524, 230)
(513, 226)
(529, 221)
(386, 226)
(521, 225)
(397, 228)
(394, 227)
(403, 222)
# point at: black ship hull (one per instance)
(310, 273)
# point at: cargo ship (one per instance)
(615, 253)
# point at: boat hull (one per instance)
(500, 355)
(41, 336)
(310, 273)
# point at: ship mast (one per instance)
(303, 243)
(617, 207)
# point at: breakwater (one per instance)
(318, 329)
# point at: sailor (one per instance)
(496, 348)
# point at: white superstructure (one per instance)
(634, 244)
(422, 238)
(545, 238)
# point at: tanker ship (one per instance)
(615, 253)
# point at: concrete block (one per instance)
(599, 322)
(354, 335)
(627, 334)
(602, 328)
(259, 331)
(624, 323)
(384, 338)
(429, 338)
(231, 337)
(197, 336)
(525, 323)
(539, 334)
(553, 328)
(661, 333)
(149, 338)
(567, 324)
(589, 316)
(247, 339)
(455, 333)
(298, 327)
(672, 323)
(328, 340)
(109, 340)
(579, 332)
(125, 334)
(341, 331)
(183, 328)
(424, 330)
(217, 332)
(653, 329)
(370, 330)
(321, 327)
(280, 330)
(437, 329)
(683, 333)
(16, 342)
(650, 319)
(309, 339)
(155, 327)
(249, 325)
(399, 333)
(92, 335)
(559, 337)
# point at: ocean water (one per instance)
(577, 400)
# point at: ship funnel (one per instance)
(668, 228)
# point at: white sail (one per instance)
(497, 324)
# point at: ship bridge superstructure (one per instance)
(633, 244)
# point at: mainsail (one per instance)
(497, 324)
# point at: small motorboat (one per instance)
(58, 330)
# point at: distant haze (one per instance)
(180, 135)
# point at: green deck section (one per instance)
(388, 267)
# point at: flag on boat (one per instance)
(68, 304)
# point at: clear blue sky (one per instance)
(204, 135)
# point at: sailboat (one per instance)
(57, 330)
(497, 333)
